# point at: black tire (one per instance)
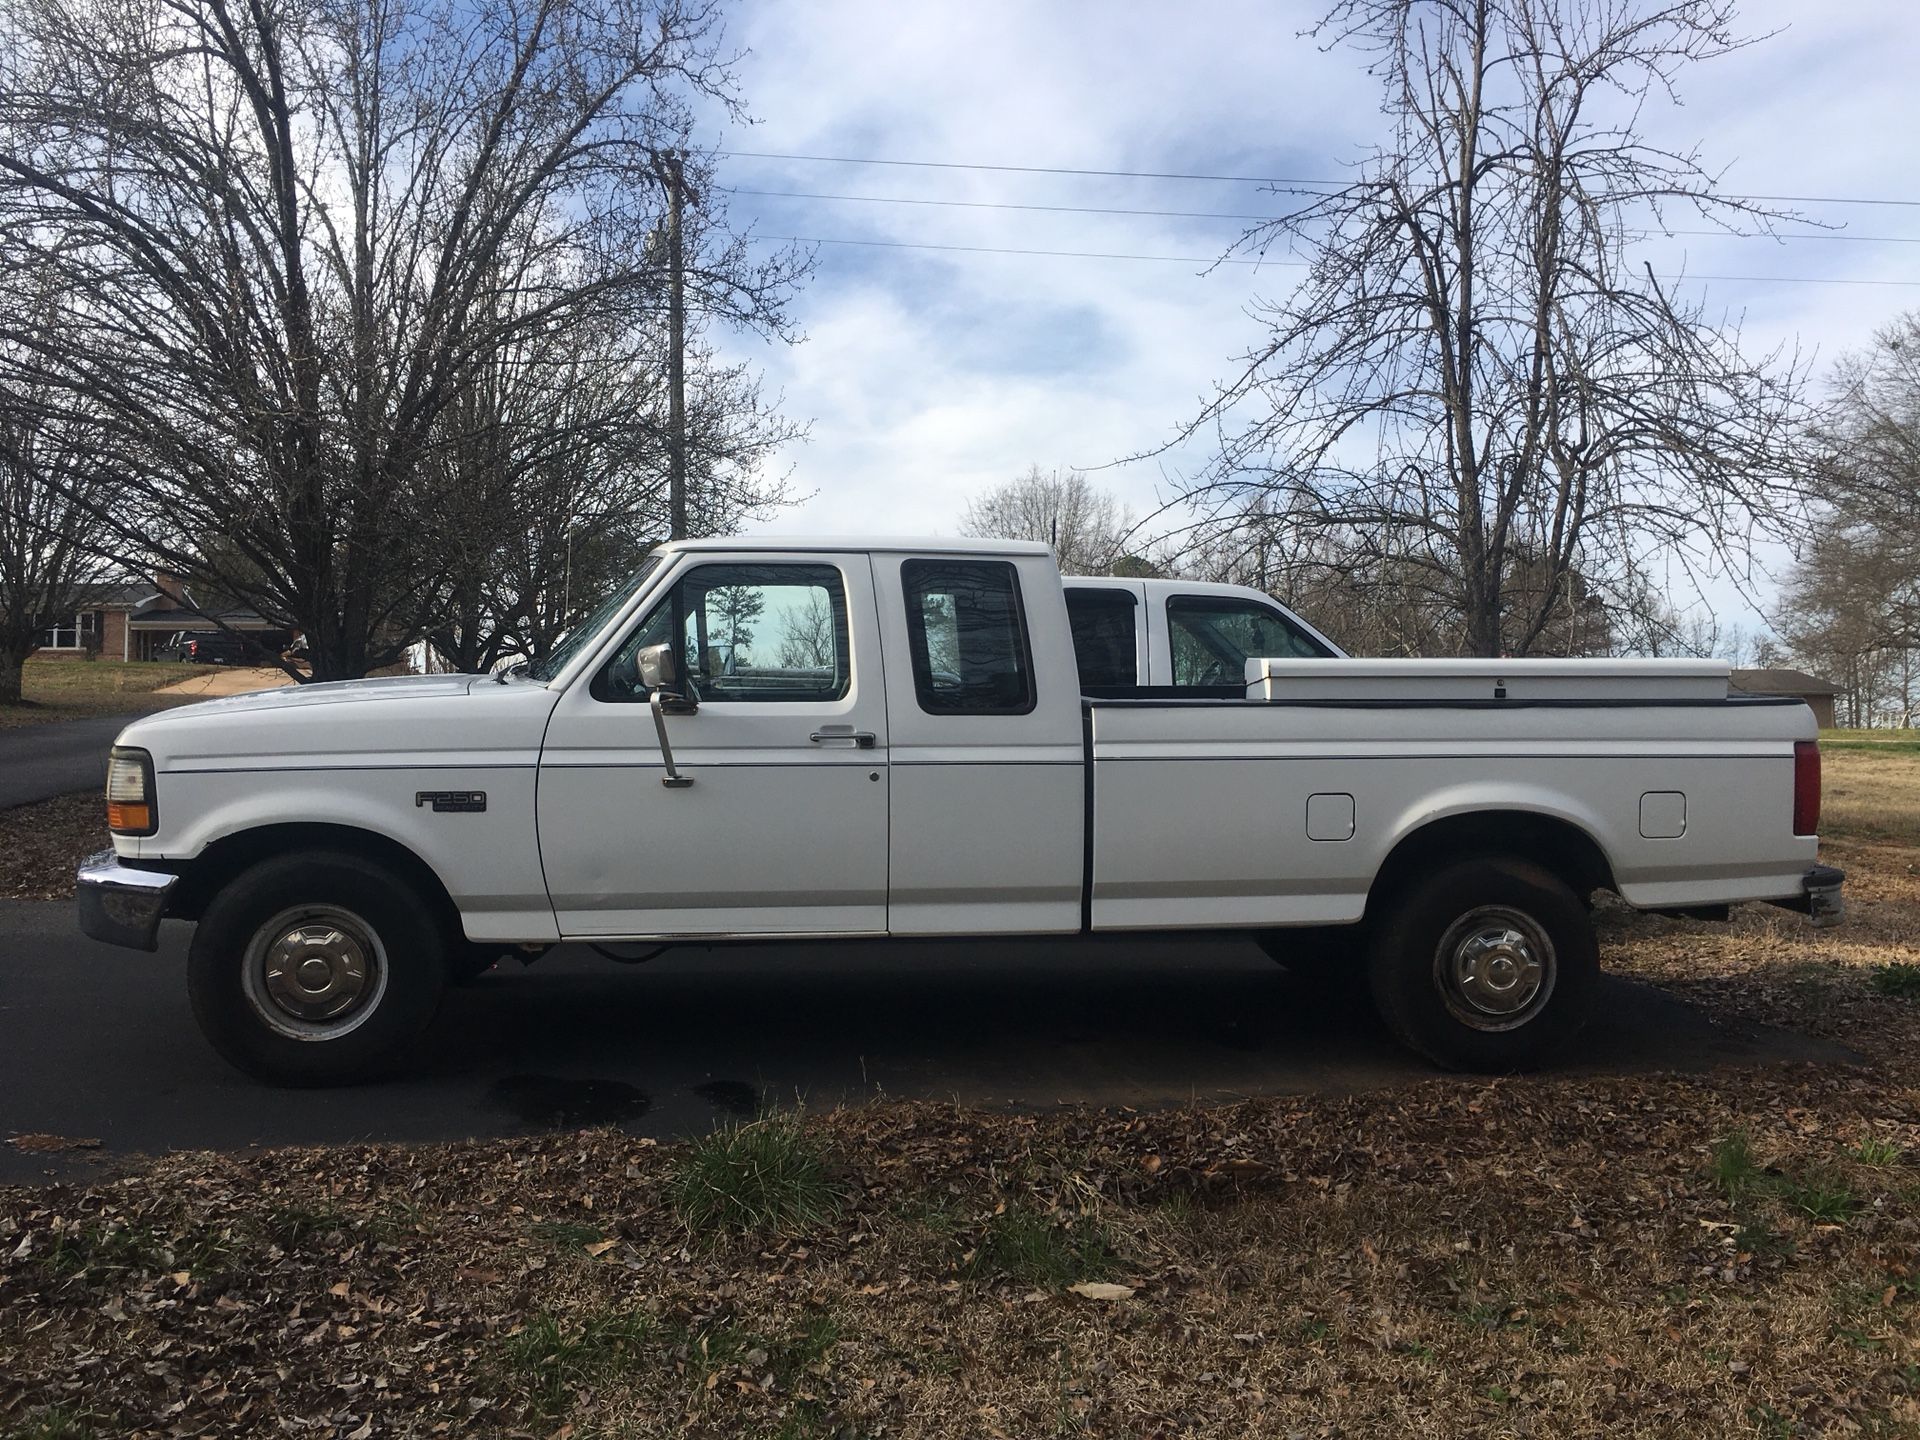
(333, 907)
(1487, 963)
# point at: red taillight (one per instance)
(1806, 787)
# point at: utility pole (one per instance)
(673, 177)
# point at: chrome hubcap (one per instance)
(1495, 968)
(314, 973)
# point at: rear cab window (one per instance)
(1105, 640)
(967, 637)
(1212, 638)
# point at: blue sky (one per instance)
(928, 376)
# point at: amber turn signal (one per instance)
(128, 817)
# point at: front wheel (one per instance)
(1488, 963)
(316, 968)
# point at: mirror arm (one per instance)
(673, 779)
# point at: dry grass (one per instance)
(75, 689)
(1872, 785)
(1719, 1255)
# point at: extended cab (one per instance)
(783, 738)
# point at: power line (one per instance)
(1004, 250)
(1230, 215)
(1022, 169)
(1235, 260)
(1224, 179)
(995, 205)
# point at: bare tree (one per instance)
(555, 481)
(298, 231)
(51, 486)
(1851, 608)
(1474, 394)
(1087, 527)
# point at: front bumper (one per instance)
(119, 904)
(1820, 899)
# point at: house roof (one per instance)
(1781, 682)
(113, 595)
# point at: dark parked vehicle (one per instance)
(224, 647)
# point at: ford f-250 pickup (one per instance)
(783, 738)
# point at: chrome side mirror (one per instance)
(659, 670)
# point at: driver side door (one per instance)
(784, 828)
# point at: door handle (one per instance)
(862, 739)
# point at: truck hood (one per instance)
(335, 692)
(407, 720)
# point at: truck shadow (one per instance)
(717, 1032)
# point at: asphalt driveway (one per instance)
(97, 1043)
(38, 762)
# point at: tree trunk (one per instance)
(11, 660)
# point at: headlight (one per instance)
(130, 802)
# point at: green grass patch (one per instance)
(1821, 1195)
(565, 1234)
(1902, 741)
(1034, 1249)
(766, 1176)
(718, 1348)
(1899, 979)
(1735, 1169)
(100, 1248)
(1879, 1153)
(550, 1359)
(295, 1227)
(58, 1422)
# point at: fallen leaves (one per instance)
(37, 1144)
(1101, 1290)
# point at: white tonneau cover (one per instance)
(1415, 680)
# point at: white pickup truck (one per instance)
(782, 738)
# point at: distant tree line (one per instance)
(352, 311)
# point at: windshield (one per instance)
(577, 638)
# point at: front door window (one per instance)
(745, 633)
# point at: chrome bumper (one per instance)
(119, 904)
(1820, 899)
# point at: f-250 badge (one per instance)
(451, 802)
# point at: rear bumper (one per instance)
(1819, 899)
(119, 904)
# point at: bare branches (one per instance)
(1853, 605)
(1086, 527)
(1474, 381)
(307, 242)
(51, 488)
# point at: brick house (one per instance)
(133, 621)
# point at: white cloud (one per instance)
(929, 375)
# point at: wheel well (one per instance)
(1558, 845)
(208, 873)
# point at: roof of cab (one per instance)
(921, 545)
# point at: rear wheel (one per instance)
(1488, 963)
(316, 968)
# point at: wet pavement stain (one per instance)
(736, 1097)
(562, 1103)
